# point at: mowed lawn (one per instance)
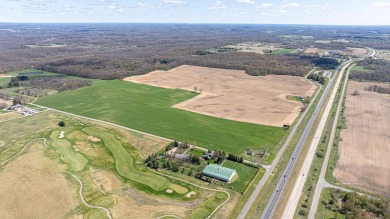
(148, 109)
(244, 172)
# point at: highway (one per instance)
(295, 194)
(273, 201)
(271, 168)
(322, 183)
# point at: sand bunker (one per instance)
(169, 190)
(94, 139)
(61, 134)
(232, 94)
(190, 194)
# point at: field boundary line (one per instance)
(44, 142)
(215, 190)
(88, 205)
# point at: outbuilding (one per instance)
(219, 172)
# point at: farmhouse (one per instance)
(219, 172)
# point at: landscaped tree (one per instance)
(61, 124)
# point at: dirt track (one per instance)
(234, 95)
(365, 147)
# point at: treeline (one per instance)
(316, 77)
(39, 87)
(325, 63)
(235, 158)
(254, 64)
(108, 51)
(353, 205)
(378, 89)
(57, 83)
(378, 70)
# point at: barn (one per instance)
(219, 172)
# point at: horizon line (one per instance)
(194, 23)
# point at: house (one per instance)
(208, 155)
(15, 107)
(219, 172)
(250, 152)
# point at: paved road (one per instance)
(322, 183)
(295, 194)
(270, 168)
(267, 213)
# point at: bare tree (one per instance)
(195, 89)
(200, 90)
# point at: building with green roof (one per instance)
(219, 172)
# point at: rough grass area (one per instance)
(124, 163)
(209, 206)
(244, 172)
(148, 109)
(322, 211)
(113, 173)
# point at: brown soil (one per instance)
(312, 51)
(365, 147)
(232, 94)
(8, 102)
(355, 51)
(31, 185)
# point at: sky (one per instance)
(332, 12)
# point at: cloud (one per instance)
(174, 1)
(282, 11)
(217, 4)
(112, 6)
(141, 4)
(246, 1)
(264, 14)
(265, 5)
(378, 5)
(291, 5)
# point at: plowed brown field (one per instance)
(364, 152)
(232, 94)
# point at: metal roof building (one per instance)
(219, 172)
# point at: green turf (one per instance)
(75, 160)
(124, 163)
(360, 68)
(198, 152)
(34, 73)
(148, 109)
(245, 174)
(205, 210)
(4, 82)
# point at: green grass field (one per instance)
(148, 109)
(245, 174)
(34, 73)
